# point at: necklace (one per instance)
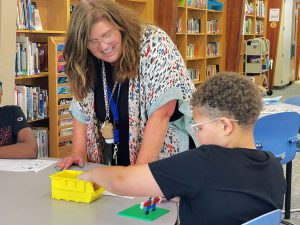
(106, 127)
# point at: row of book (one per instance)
(191, 50)
(194, 25)
(247, 26)
(211, 70)
(41, 135)
(33, 101)
(201, 4)
(178, 25)
(260, 27)
(31, 58)
(212, 26)
(28, 16)
(213, 49)
(194, 74)
(249, 8)
(260, 8)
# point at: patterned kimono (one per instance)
(162, 77)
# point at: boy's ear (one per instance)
(227, 125)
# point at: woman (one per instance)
(129, 81)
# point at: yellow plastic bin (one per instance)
(66, 186)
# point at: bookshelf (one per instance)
(254, 26)
(59, 89)
(200, 37)
(143, 8)
(54, 17)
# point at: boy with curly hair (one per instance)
(225, 180)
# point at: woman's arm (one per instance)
(155, 133)
(78, 151)
(26, 146)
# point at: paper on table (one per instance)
(274, 100)
(107, 193)
(282, 107)
(24, 165)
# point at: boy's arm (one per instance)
(131, 181)
(26, 146)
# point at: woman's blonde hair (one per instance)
(80, 64)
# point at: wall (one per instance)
(283, 70)
(7, 48)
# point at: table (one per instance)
(278, 108)
(25, 199)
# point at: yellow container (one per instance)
(66, 186)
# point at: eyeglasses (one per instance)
(107, 38)
(197, 126)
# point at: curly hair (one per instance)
(229, 94)
(79, 60)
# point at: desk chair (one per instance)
(295, 100)
(270, 218)
(278, 133)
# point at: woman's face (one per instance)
(105, 41)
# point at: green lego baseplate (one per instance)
(137, 213)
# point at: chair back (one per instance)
(277, 133)
(295, 100)
(270, 218)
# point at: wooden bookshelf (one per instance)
(58, 148)
(203, 47)
(143, 8)
(257, 17)
(55, 16)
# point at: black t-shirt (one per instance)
(221, 186)
(123, 147)
(12, 120)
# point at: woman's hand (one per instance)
(67, 162)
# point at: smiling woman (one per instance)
(131, 88)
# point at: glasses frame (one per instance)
(195, 127)
(96, 42)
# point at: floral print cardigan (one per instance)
(162, 77)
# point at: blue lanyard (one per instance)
(114, 110)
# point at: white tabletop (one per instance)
(25, 199)
(280, 107)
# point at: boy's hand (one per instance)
(87, 176)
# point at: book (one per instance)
(43, 56)
(41, 135)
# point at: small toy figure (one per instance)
(150, 204)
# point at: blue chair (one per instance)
(278, 133)
(270, 218)
(295, 100)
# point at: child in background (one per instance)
(16, 138)
(225, 180)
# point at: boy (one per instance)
(16, 138)
(224, 181)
